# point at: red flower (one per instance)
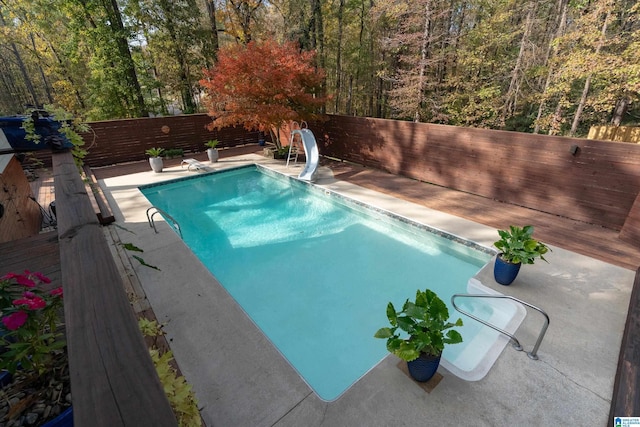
(15, 320)
(25, 281)
(57, 292)
(33, 303)
(42, 277)
(9, 276)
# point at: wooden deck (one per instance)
(586, 239)
(39, 253)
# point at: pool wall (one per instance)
(480, 353)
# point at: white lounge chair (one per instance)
(193, 164)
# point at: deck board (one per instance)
(587, 239)
(39, 253)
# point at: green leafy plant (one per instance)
(173, 152)
(133, 248)
(420, 327)
(71, 127)
(178, 391)
(154, 152)
(517, 245)
(213, 143)
(32, 323)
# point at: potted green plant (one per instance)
(281, 153)
(212, 151)
(417, 333)
(155, 158)
(517, 246)
(173, 153)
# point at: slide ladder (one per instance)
(310, 150)
(311, 153)
(293, 150)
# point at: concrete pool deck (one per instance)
(240, 379)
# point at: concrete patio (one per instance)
(240, 379)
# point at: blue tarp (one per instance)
(46, 127)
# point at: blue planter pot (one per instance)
(65, 419)
(505, 272)
(5, 378)
(424, 367)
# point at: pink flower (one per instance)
(25, 281)
(9, 276)
(34, 303)
(15, 320)
(28, 294)
(57, 292)
(42, 277)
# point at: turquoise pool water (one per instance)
(315, 271)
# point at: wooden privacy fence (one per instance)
(587, 180)
(120, 141)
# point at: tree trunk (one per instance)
(23, 70)
(131, 78)
(9, 88)
(65, 74)
(244, 12)
(317, 11)
(211, 12)
(423, 60)
(45, 83)
(511, 97)
(188, 103)
(339, 57)
(587, 83)
(349, 96)
(621, 109)
(552, 52)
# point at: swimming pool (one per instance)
(314, 270)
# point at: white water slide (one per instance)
(311, 154)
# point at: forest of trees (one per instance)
(545, 66)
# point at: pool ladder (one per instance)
(515, 343)
(294, 145)
(170, 220)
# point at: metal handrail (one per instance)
(166, 216)
(516, 344)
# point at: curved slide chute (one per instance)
(311, 153)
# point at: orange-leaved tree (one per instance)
(263, 86)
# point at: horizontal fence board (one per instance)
(597, 185)
(121, 141)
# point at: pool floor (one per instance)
(322, 272)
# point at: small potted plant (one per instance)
(422, 336)
(517, 246)
(212, 151)
(281, 153)
(155, 158)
